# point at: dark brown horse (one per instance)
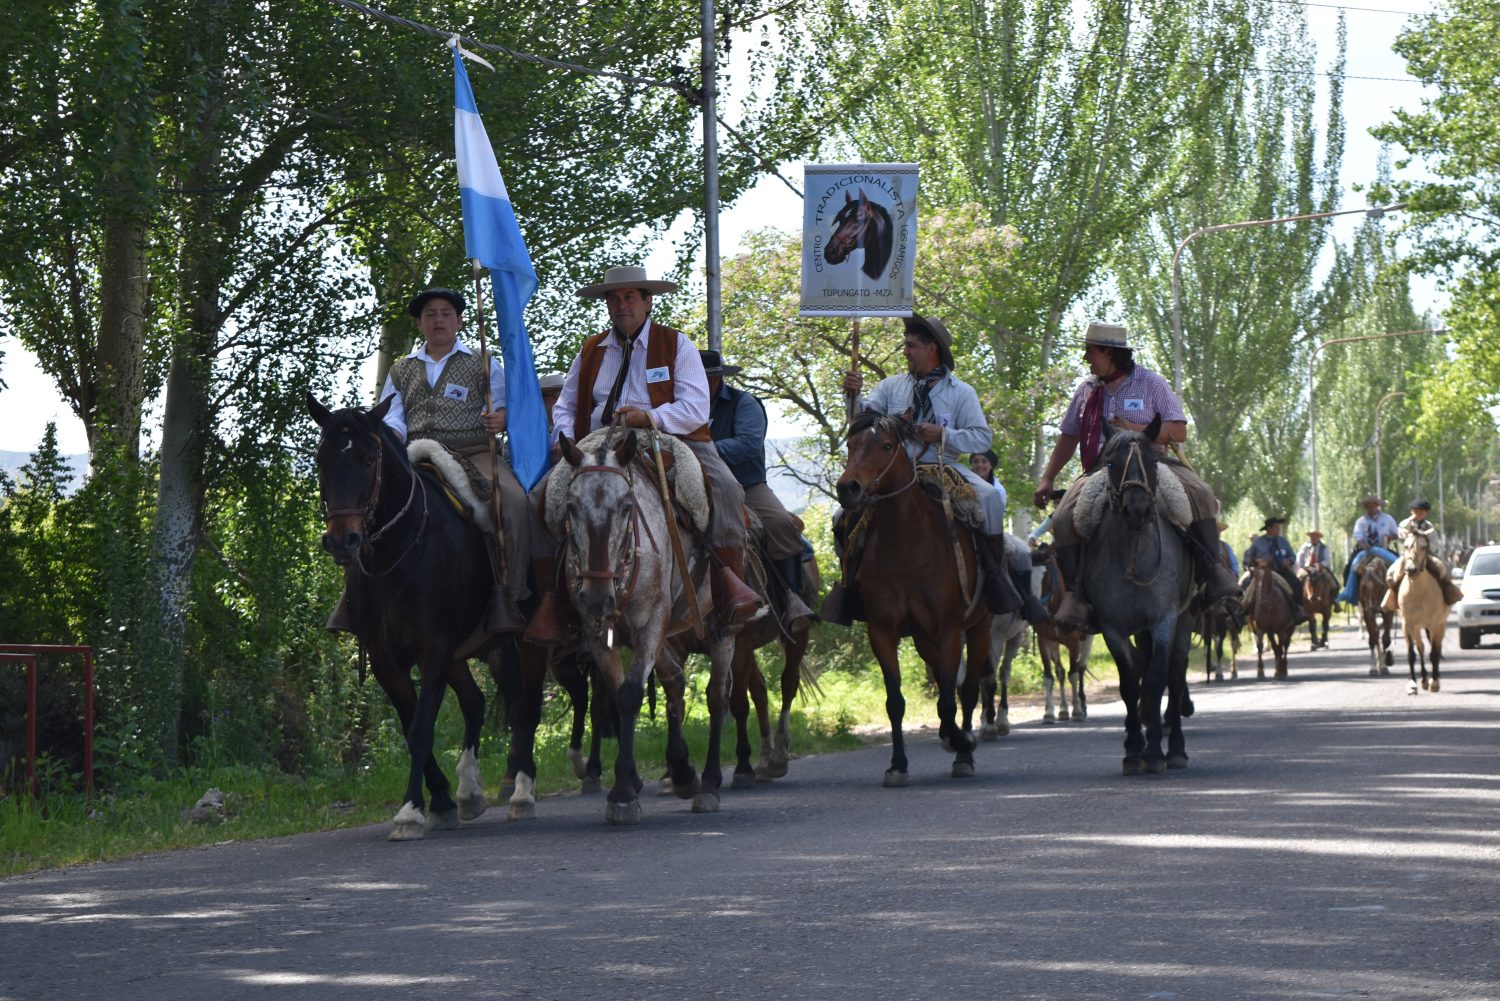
(912, 583)
(1318, 589)
(861, 225)
(1270, 616)
(1371, 591)
(418, 582)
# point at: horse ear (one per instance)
(1154, 428)
(863, 200)
(320, 413)
(379, 410)
(625, 451)
(570, 451)
(848, 198)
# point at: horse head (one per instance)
(861, 224)
(601, 544)
(351, 471)
(1418, 547)
(878, 464)
(1129, 459)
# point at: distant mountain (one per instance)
(12, 462)
(795, 494)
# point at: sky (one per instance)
(1376, 84)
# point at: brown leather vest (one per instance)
(661, 352)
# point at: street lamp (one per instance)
(1372, 212)
(1312, 400)
(1379, 489)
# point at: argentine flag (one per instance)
(492, 237)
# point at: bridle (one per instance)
(367, 513)
(629, 559)
(900, 449)
(1135, 458)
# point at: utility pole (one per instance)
(710, 99)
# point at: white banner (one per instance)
(859, 239)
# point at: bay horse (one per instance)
(1053, 640)
(918, 575)
(619, 570)
(418, 581)
(1424, 610)
(1318, 589)
(1377, 620)
(865, 226)
(1270, 616)
(1137, 572)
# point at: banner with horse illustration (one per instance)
(859, 239)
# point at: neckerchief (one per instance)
(628, 345)
(1093, 423)
(921, 397)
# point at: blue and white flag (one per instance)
(492, 237)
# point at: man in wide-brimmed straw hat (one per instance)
(643, 373)
(737, 421)
(1313, 556)
(438, 393)
(1122, 394)
(1419, 524)
(1374, 532)
(945, 409)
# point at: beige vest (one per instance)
(431, 412)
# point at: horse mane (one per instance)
(893, 424)
(877, 244)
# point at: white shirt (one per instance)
(396, 416)
(685, 414)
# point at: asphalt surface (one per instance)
(1333, 837)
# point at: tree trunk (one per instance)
(122, 337)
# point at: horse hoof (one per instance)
(1385, 672)
(688, 789)
(1425, 686)
(1155, 766)
(579, 762)
(590, 786)
(1411, 688)
(1132, 766)
(443, 820)
(665, 788)
(507, 789)
(1374, 672)
(893, 779)
(989, 732)
(742, 780)
(472, 807)
(963, 769)
(1434, 685)
(622, 814)
(947, 744)
(1177, 760)
(521, 810)
(706, 802)
(410, 825)
(1390, 658)
(775, 768)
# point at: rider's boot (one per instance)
(1217, 581)
(1452, 594)
(735, 601)
(501, 615)
(842, 605)
(796, 616)
(1073, 612)
(1393, 586)
(1000, 595)
(338, 622)
(551, 625)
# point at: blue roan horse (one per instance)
(418, 581)
(1138, 576)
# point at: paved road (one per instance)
(1333, 837)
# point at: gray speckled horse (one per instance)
(1138, 573)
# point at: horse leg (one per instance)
(1154, 654)
(1436, 641)
(883, 644)
(1077, 667)
(760, 698)
(602, 722)
(622, 805)
(793, 654)
(1002, 722)
(1130, 690)
(681, 779)
(739, 708)
(411, 823)
(530, 667)
(977, 664)
(574, 680)
(1412, 639)
(1281, 645)
(988, 685)
(1049, 651)
(721, 667)
(1385, 642)
(471, 801)
(1260, 654)
(944, 661)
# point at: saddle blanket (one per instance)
(1093, 500)
(684, 477)
(940, 479)
(460, 477)
(1252, 589)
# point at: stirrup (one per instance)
(1073, 613)
(548, 626)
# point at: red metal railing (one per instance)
(28, 653)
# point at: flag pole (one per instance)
(511, 619)
(853, 398)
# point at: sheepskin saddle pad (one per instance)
(940, 479)
(684, 477)
(467, 487)
(1093, 500)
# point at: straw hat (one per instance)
(1371, 499)
(1107, 335)
(1314, 534)
(625, 277)
(552, 380)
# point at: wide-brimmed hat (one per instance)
(626, 276)
(1272, 521)
(422, 298)
(1107, 335)
(938, 331)
(713, 364)
(1371, 499)
(1313, 533)
(552, 380)
(1421, 503)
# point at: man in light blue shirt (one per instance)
(1374, 531)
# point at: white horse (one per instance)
(621, 572)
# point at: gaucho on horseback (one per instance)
(437, 394)
(1126, 395)
(946, 418)
(1273, 548)
(644, 373)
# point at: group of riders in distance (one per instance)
(654, 528)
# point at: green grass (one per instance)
(146, 815)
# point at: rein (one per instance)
(1134, 457)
